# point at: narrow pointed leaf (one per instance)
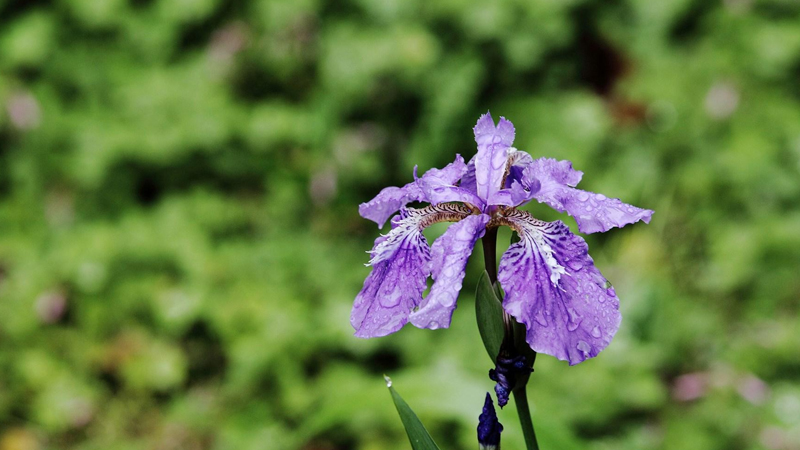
(489, 313)
(417, 434)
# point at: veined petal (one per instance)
(400, 267)
(593, 212)
(391, 199)
(490, 161)
(552, 286)
(450, 254)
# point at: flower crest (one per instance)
(551, 284)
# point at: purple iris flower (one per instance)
(551, 284)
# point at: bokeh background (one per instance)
(180, 244)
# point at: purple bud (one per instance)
(489, 428)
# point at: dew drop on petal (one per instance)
(574, 264)
(583, 196)
(600, 197)
(539, 317)
(433, 325)
(392, 299)
(574, 319)
(596, 332)
(584, 347)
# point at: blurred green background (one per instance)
(180, 245)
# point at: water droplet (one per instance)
(583, 196)
(391, 300)
(388, 381)
(584, 347)
(574, 264)
(540, 319)
(433, 325)
(589, 209)
(574, 319)
(600, 197)
(596, 332)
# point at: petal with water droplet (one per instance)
(449, 259)
(494, 143)
(435, 186)
(593, 212)
(400, 267)
(582, 314)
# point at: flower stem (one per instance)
(489, 242)
(521, 401)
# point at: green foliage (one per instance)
(489, 313)
(418, 436)
(180, 244)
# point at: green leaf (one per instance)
(489, 313)
(417, 434)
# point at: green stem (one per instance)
(489, 242)
(521, 401)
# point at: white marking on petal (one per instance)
(532, 234)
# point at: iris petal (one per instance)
(468, 181)
(401, 263)
(389, 201)
(392, 198)
(552, 286)
(450, 255)
(593, 212)
(400, 266)
(493, 146)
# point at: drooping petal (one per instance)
(490, 161)
(593, 212)
(449, 259)
(400, 267)
(424, 189)
(552, 286)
